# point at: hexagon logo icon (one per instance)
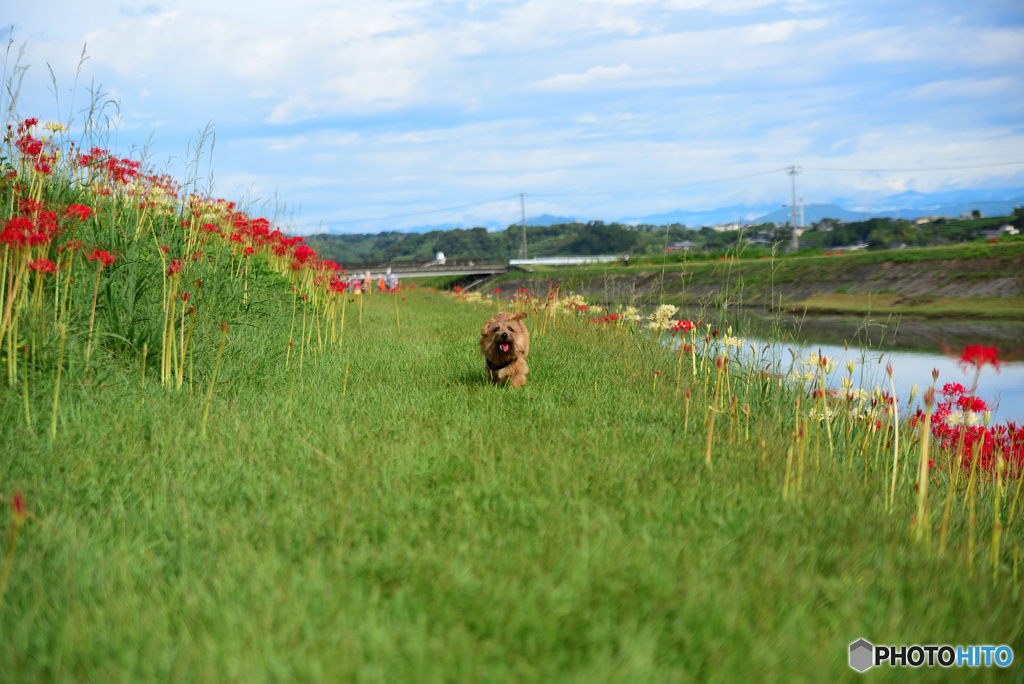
(861, 655)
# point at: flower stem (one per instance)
(56, 387)
(213, 380)
(92, 316)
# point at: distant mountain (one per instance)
(816, 212)
(489, 225)
(908, 205)
(696, 219)
(812, 214)
(549, 220)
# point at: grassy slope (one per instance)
(817, 283)
(429, 527)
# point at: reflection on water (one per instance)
(913, 346)
(1003, 390)
(944, 336)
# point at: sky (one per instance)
(342, 112)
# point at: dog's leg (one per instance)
(518, 380)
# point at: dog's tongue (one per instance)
(503, 347)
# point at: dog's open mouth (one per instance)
(503, 347)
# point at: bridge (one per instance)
(471, 267)
(417, 270)
(406, 269)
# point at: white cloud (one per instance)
(362, 109)
(595, 76)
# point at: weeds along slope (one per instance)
(361, 504)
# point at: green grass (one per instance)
(428, 527)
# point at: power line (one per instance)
(605, 193)
(716, 181)
(942, 168)
(427, 211)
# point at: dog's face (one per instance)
(504, 337)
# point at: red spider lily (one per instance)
(175, 267)
(248, 251)
(184, 297)
(497, 291)
(199, 283)
(18, 507)
(682, 327)
(104, 258)
(952, 431)
(29, 206)
(951, 389)
(303, 253)
(165, 249)
(714, 333)
(978, 356)
(975, 404)
(43, 266)
(29, 146)
(43, 165)
(236, 238)
(77, 211)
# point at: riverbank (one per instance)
(978, 282)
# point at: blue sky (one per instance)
(594, 109)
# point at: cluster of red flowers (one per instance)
(104, 259)
(953, 429)
(682, 327)
(117, 170)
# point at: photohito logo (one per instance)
(865, 655)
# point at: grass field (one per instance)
(417, 524)
(225, 465)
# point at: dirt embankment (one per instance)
(826, 285)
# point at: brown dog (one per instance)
(505, 342)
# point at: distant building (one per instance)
(999, 232)
(680, 246)
(967, 215)
(726, 227)
(850, 248)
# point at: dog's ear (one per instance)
(519, 316)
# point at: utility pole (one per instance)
(793, 171)
(802, 222)
(522, 208)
